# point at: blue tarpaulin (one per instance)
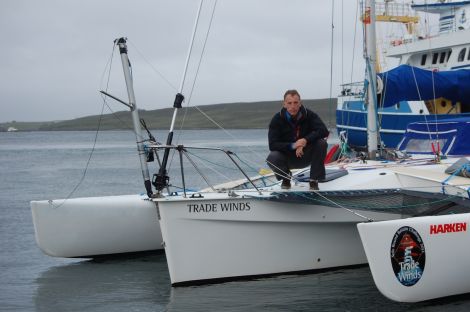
(414, 84)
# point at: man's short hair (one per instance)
(291, 92)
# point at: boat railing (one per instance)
(355, 89)
(432, 33)
(183, 151)
(404, 13)
(395, 11)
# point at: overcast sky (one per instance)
(55, 52)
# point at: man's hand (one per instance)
(299, 147)
(300, 143)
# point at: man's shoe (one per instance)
(285, 184)
(314, 186)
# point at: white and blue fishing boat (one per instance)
(425, 54)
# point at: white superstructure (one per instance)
(447, 49)
(433, 36)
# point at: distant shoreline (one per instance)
(246, 115)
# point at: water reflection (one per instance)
(125, 284)
(339, 290)
(143, 284)
(348, 289)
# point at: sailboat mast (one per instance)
(371, 76)
(160, 180)
(121, 42)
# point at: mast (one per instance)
(160, 180)
(121, 42)
(371, 77)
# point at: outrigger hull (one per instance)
(435, 265)
(96, 226)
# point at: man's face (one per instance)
(292, 104)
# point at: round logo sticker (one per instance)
(408, 256)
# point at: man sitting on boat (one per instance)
(297, 139)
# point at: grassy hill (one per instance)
(250, 115)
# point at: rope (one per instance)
(464, 169)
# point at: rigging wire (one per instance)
(211, 119)
(426, 14)
(212, 168)
(245, 162)
(364, 54)
(342, 41)
(211, 162)
(183, 80)
(188, 58)
(153, 67)
(417, 86)
(430, 49)
(180, 132)
(193, 87)
(348, 114)
(285, 175)
(330, 101)
(354, 43)
(108, 65)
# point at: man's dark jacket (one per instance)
(282, 132)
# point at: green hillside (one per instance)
(250, 115)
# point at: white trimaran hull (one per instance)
(265, 235)
(436, 263)
(260, 235)
(444, 249)
(85, 227)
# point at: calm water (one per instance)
(49, 165)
